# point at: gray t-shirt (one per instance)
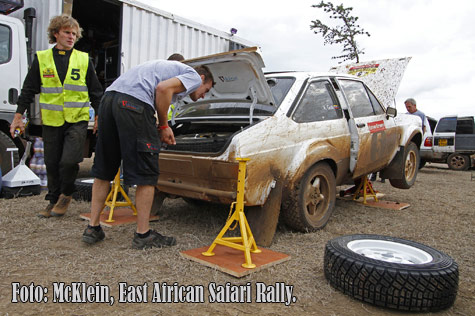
(422, 116)
(141, 80)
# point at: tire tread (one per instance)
(401, 289)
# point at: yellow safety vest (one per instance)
(68, 102)
(170, 111)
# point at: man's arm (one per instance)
(31, 87)
(163, 96)
(94, 88)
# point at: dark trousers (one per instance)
(127, 132)
(63, 151)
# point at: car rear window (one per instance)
(280, 86)
(207, 109)
(447, 125)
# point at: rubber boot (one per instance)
(46, 212)
(61, 206)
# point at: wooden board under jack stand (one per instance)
(380, 204)
(122, 215)
(230, 260)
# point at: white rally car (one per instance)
(305, 133)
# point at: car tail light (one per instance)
(428, 141)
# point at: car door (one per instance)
(321, 126)
(10, 63)
(377, 140)
(444, 135)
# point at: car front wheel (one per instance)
(409, 168)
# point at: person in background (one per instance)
(412, 109)
(128, 131)
(175, 57)
(66, 80)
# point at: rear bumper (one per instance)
(198, 178)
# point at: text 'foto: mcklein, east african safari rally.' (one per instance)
(156, 292)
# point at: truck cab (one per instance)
(117, 35)
(13, 67)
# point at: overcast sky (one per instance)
(439, 36)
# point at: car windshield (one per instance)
(279, 87)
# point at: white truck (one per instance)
(452, 142)
(118, 34)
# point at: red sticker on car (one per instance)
(376, 126)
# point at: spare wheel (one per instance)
(391, 272)
(84, 190)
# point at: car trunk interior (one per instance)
(210, 137)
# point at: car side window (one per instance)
(4, 43)
(378, 109)
(357, 97)
(319, 103)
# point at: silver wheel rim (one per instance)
(411, 163)
(389, 251)
(316, 198)
(458, 161)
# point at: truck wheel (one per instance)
(310, 205)
(84, 190)
(458, 161)
(5, 156)
(391, 272)
(410, 168)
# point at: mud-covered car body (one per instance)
(285, 123)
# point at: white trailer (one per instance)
(118, 34)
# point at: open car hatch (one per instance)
(238, 75)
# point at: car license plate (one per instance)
(442, 142)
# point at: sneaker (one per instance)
(46, 212)
(61, 206)
(91, 236)
(153, 240)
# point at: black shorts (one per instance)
(127, 132)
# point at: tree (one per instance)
(341, 34)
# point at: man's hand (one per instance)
(17, 123)
(94, 130)
(166, 136)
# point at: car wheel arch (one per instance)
(306, 165)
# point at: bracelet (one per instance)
(163, 127)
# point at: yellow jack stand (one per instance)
(366, 186)
(246, 242)
(111, 199)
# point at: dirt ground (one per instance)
(47, 251)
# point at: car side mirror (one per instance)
(391, 112)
